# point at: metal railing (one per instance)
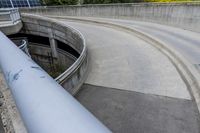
(44, 105)
(10, 15)
(24, 47)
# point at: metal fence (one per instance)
(9, 15)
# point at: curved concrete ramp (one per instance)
(184, 41)
(132, 86)
(122, 61)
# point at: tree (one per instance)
(168, 0)
(110, 1)
(60, 2)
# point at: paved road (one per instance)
(122, 61)
(184, 41)
(133, 87)
(132, 112)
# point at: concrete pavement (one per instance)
(184, 41)
(133, 112)
(122, 61)
(8, 28)
(133, 87)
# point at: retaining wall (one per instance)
(10, 28)
(183, 15)
(41, 54)
(74, 76)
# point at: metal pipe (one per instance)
(44, 105)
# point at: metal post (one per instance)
(14, 15)
(12, 3)
(44, 105)
(28, 4)
(17, 14)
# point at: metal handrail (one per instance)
(44, 105)
(12, 14)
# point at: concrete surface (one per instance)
(128, 63)
(184, 41)
(133, 112)
(9, 28)
(12, 122)
(72, 77)
(184, 15)
(189, 72)
(41, 54)
(137, 87)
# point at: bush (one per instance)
(60, 2)
(110, 1)
(168, 0)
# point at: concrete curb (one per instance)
(186, 70)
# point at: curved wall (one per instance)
(74, 76)
(10, 28)
(184, 15)
(41, 54)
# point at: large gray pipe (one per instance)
(44, 105)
